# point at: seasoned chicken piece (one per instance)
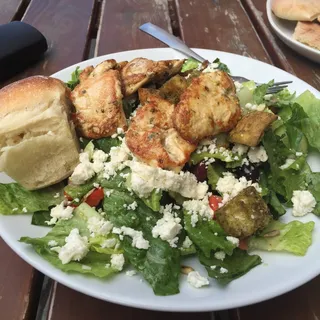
(207, 107)
(146, 93)
(98, 101)
(249, 130)
(152, 138)
(141, 71)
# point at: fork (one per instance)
(177, 44)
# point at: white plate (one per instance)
(278, 274)
(285, 29)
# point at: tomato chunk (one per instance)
(214, 202)
(94, 198)
(243, 244)
(67, 196)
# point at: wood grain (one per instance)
(9, 9)
(300, 304)
(71, 305)
(20, 286)
(282, 56)
(120, 21)
(219, 25)
(65, 24)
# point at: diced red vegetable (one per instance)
(243, 244)
(214, 202)
(67, 196)
(94, 198)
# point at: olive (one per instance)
(249, 171)
(200, 171)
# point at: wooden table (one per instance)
(79, 29)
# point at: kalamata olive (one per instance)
(200, 171)
(250, 172)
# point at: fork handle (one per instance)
(170, 40)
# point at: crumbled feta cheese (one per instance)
(238, 85)
(212, 67)
(76, 200)
(233, 240)
(15, 209)
(83, 171)
(118, 160)
(84, 267)
(24, 209)
(144, 179)
(287, 164)
(131, 273)
(220, 255)
(194, 219)
(257, 154)
(167, 228)
(240, 149)
(138, 240)
(187, 243)
(303, 202)
(199, 207)
(99, 226)
(133, 206)
(57, 195)
(108, 193)
(210, 146)
(223, 270)
(245, 161)
(212, 267)
(254, 107)
(96, 185)
(196, 280)
(268, 97)
(299, 154)
(60, 212)
(52, 243)
(107, 266)
(229, 186)
(117, 261)
(75, 248)
(99, 158)
(109, 243)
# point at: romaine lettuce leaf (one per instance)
(190, 64)
(160, 264)
(225, 156)
(16, 200)
(78, 191)
(208, 236)
(74, 79)
(214, 173)
(294, 237)
(39, 218)
(95, 262)
(234, 266)
(311, 125)
(153, 201)
(260, 91)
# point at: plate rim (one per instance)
(64, 279)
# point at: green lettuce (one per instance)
(214, 173)
(160, 264)
(39, 218)
(78, 191)
(208, 236)
(238, 264)
(311, 125)
(71, 84)
(294, 237)
(225, 156)
(260, 91)
(153, 201)
(16, 200)
(190, 64)
(96, 261)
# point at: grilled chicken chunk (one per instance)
(141, 71)
(98, 101)
(207, 107)
(152, 138)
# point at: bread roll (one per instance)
(38, 144)
(298, 10)
(308, 33)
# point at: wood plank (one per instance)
(281, 54)
(71, 305)
(20, 286)
(300, 304)
(65, 24)
(120, 21)
(219, 25)
(9, 10)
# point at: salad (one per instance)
(122, 212)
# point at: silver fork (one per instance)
(177, 44)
